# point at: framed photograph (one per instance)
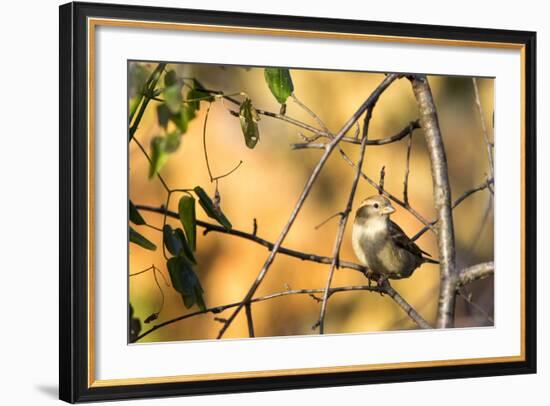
(256, 202)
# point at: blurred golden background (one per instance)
(267, 185)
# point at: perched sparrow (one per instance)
(382, 245)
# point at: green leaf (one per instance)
(279, 82)
(181, 119)
(249, 123)
(151, 318)
(176, 243)
(135, 216)
(186, 250)
(170, 79)
(211, 210)
(134, 104)
(159, 155)
(188, 218)
(171, 241)
(138, 75)
(140, 240)
(134, 325)
(163, 115)
(173, 140)
(197, 95)
(173, 98)
(186, 282)
(199, 297)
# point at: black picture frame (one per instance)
(73, 255)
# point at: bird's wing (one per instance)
(401, 240)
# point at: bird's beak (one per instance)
(387, 210)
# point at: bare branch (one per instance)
(309, 184)
(407, 172)
(442, 199)
(413, 314)
(457, 202)
(382, 179)
(413, 125)
(249, 320)
(468, 299)
(219, 309)
(475, 272)
(353, 140)
(395, 199)
(344, 219)
(311, 113)
(209, 227)
(484, 129)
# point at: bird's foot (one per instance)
(382, 283)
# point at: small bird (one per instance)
(382, 245)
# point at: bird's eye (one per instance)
(376, 205)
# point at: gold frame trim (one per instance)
(94, 22)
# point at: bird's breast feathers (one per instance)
(374, 247)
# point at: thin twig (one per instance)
(468, 299)
(212, 177)
(219, 309)
(381, 181)
(209, 227)
(407, 171)
(352, 140)
(407, 308)
(479, 232)
(151, 84)
(309, 184)
(344, 219)
(395, 199)
(310, 112)
(155, 271)
(164, 184)
(456, 203)
(322, 223)
(249, 320)
(484, 128)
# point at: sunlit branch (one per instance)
(344, 218)
(488, 143)
(405, 132)
(209, 227)
(442, 199)
(475, 272)
(388, 80)
(407, 172)
(390, 196)
(456, 203)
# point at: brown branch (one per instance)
(407, 131)
(468, 299)
(395, 199)
(475, 272)
(442, 199)
(484, 129)
(249, 320)
(409, 310)
(344, 219)
(309, 184)
(209, 227)
(381, 180)
(219, 309)
(407, 172)
(311, 113)
(384, 288)
(466, 194)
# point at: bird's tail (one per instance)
(430, 261)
